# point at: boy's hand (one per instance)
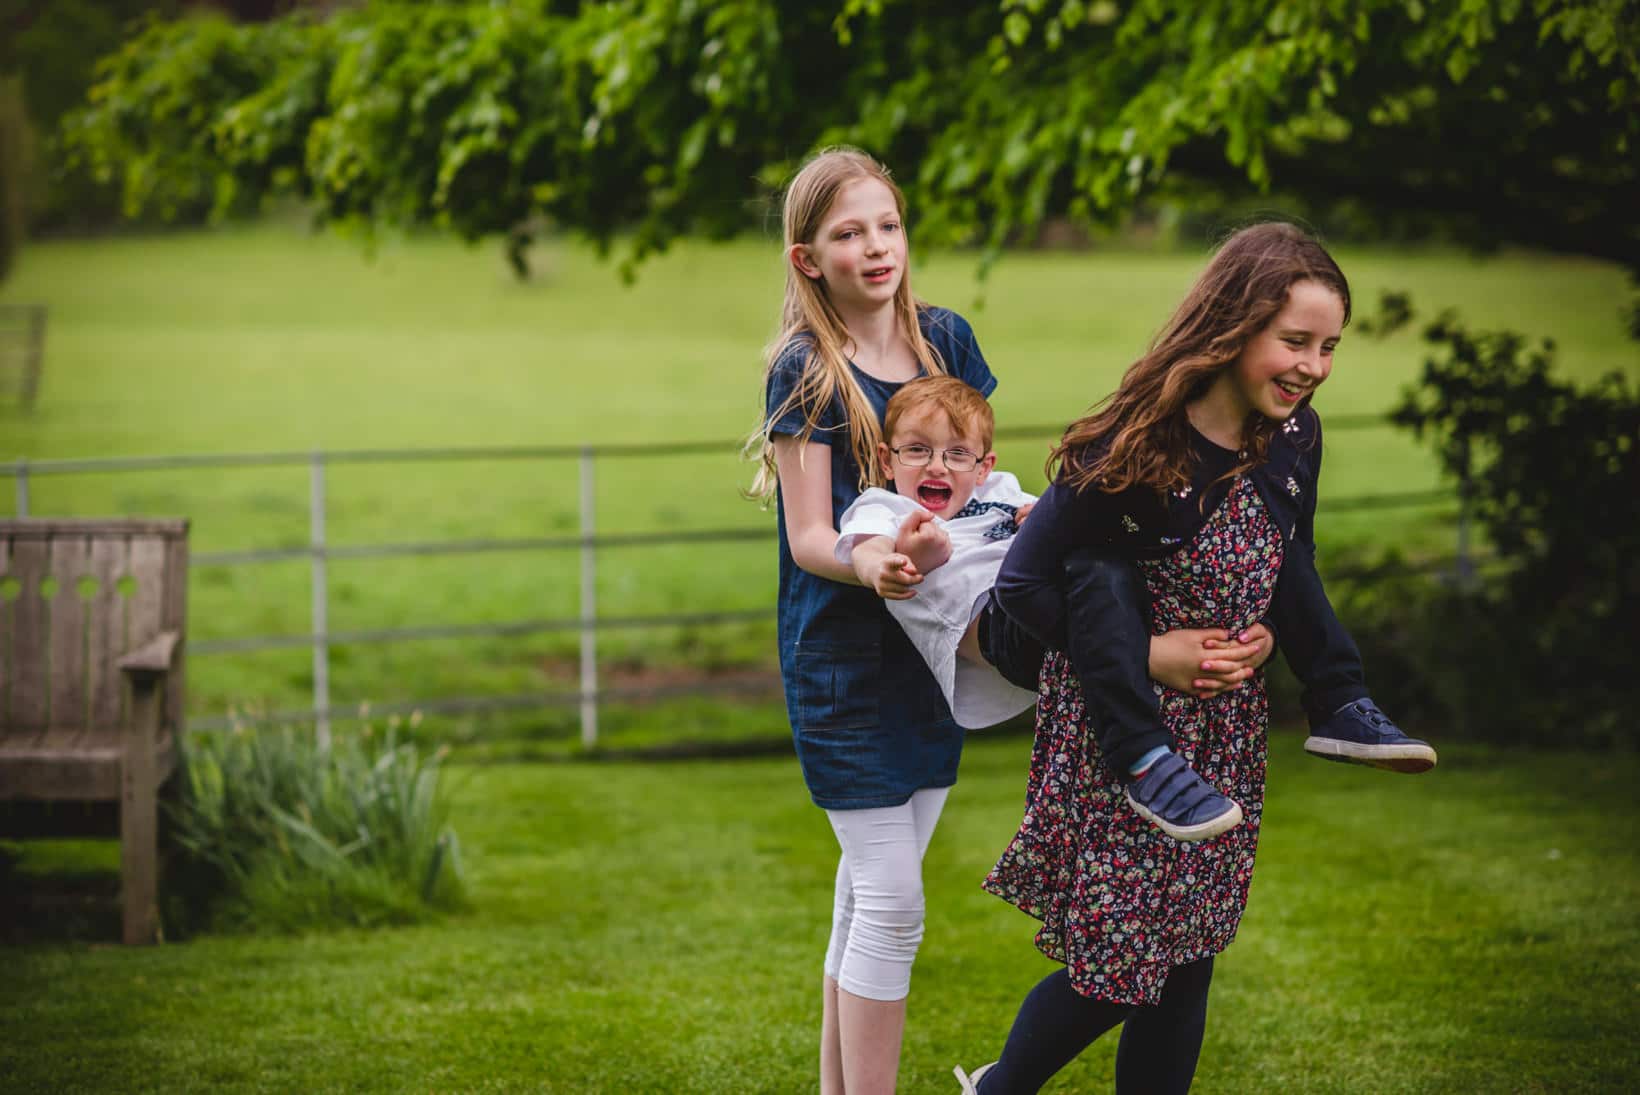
(1206, 662)
(923, 542)
(1023, 512)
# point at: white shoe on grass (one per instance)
(970, 1084)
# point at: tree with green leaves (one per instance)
(14, 167)
(639, 121)
(49, 50)
(1508, 121)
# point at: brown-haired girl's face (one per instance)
(859, 252)
(1291, 356)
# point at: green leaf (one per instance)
(1016, 27)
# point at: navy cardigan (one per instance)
(1136, 524)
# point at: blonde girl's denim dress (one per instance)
(868, 719)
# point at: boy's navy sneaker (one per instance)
(1174, 798)
(1359, 733)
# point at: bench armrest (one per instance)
(154, 657)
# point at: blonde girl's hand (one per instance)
(893, 576)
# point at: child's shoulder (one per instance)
(1298, 441)
(1003, 486)
(794, 353)
(953, 340)
(1302, 430)
(937, 320)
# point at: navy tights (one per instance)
(1157, 1053)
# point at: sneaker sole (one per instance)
(1189, 834)
(1408, 759)
(970, 1083)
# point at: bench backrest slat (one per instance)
(26, 653)
(174, 617)
(66, 672)
(108, 636)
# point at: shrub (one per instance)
(276, 833)
(1535, 650)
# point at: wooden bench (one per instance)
(91, 678)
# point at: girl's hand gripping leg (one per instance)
(1207, 662)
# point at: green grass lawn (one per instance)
(658, 927)
(266, 338)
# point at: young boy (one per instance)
(945, 529)
(932, 548)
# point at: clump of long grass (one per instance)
(275, 832)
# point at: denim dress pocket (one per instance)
(837, 685)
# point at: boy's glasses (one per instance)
(919, 456)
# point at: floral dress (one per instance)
(1122, 903)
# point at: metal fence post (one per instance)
(589, 604)
(22, 488)
(320, 600)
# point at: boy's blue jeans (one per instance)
(1108, 643)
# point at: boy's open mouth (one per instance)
(933, 495)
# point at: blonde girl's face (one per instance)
(1288, 360)
(859, 254)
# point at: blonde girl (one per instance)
(874, 738)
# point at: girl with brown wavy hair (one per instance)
(1184, 500)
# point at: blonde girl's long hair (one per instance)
(808, 314)
(1140, 434)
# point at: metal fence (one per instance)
(587, 542)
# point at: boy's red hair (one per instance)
(964, 407)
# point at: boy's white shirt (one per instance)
(950, 596)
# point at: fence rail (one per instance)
(587, 542)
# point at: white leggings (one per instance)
(878, 919)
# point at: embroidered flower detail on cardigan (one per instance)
(1291, 425)
(1292, 486)
(1129, 523)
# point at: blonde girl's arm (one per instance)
(804, 468)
